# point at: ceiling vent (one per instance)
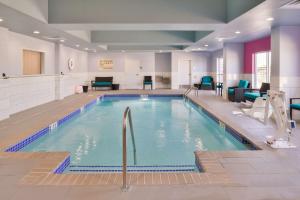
(295, 4)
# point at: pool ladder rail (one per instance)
(127, 117)
(186, 93)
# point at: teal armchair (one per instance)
(236, 94)
(252, 94)
(148, 81)
(294, 106)
(207, 83)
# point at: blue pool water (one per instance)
(167, 131)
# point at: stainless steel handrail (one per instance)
(127, 115)
(187, 92)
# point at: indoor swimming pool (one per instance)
(168, 129)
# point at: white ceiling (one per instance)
(28, 15)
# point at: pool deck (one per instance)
(263, 174)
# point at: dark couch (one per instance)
(102, 82)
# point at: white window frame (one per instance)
(219, 75)
(268, 74)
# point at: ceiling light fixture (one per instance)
(270, 19)
(123, 51)
(206, 45)
(1, 20)
(36, 32)
(237, 32)
(86, 49)
(62, 40)
(77, 45)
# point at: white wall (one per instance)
(23, 92)
(286, 60)
(80, 59)
(12, 48)
(147, 62)
(200, 66)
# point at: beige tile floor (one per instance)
(267, 174)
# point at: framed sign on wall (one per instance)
(106, 64)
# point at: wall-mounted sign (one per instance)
(106, 64)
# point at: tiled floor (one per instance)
(267, 174)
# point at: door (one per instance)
(185, 73)
(133, 80)
(220, 72)
(262, 68)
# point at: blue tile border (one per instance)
(62, 166)
(28, 140)
(132, 166)
(198, 164)
(129, 170)
(233, 132)
(20, 145)
(142, 168)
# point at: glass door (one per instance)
(262, 68)
(220, 71)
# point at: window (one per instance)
(32, 62)
(262, 68)
(220, 72)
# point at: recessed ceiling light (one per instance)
(36, 32)
(1, 20)
(62, 40)
(237, 32)
(270, 19)
(206, 45)
(77, 45)
(123, 51)
(86, 49)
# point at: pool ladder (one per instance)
(185, 95)
(127, 117)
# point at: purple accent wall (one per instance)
(263, 44)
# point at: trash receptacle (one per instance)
(115, 86)
(85, 88)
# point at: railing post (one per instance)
(127, 113)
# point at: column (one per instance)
(233, 55)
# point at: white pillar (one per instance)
(285, 69)
(233, 54)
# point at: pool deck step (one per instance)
(145, 168)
